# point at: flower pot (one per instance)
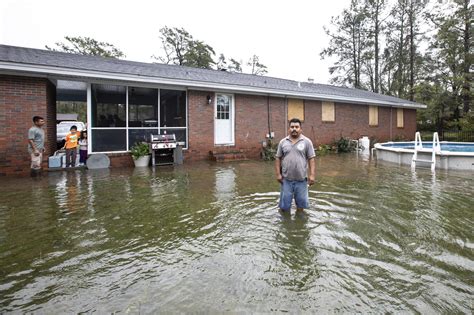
(142, 161)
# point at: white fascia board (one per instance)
(190, 84)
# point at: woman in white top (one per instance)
(83, 148)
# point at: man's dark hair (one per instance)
(295, 120)
(73, 127)
(37, 118)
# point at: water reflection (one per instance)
(208, 238)
(297, 254)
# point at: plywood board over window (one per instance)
(295, 109)
(373, 116)
(328, 112)
(399, 117)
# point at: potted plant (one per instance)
(140, 154)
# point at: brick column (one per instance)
(21, 98)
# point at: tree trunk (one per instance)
(412, 51)
(376, 48)
(466, 93)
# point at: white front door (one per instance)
(224, 119)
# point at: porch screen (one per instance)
(373, 116)
(399, 117)
(328, 112)
(295, 109)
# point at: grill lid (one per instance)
(163, 138)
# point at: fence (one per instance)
(449, 135)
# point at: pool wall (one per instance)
(444, 159)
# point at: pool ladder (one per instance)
(419, 146)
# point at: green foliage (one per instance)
(199, 55)
(344, 145)
(228, 64)
(349, 43)
(73, 107)
(180, 48)
(87, 46)
(324, 149)
(426, 55)
(139, 149)
(269, 150)
(467, 122)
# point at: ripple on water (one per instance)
(210, 239)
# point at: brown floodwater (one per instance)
(205, 237)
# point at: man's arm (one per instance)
(33, 146)
(312, 171)
(279, 177)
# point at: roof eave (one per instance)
(198, 85)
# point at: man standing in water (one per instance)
(36, 144)
(291, 167)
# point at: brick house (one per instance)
(209, 111)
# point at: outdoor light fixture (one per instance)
(209, 99)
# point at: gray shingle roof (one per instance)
(232, 80)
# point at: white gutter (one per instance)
(197, 85)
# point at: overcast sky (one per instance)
(287, 35)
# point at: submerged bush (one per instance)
(324, 149)
(344, 145)
(269, 150)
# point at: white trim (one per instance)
(232, 116)
(126, 118)
(89, 118)
(198, 85)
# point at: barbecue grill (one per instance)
(164, 150)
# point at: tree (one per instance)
(228, 64)
(451, 48)
(348, 42)
(404, 64)
(199, 55)
(374, 10)
(180, 48)
(87, 46)
(256, 67)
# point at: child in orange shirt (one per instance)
(71, 146)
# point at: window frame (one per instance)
(127, 128)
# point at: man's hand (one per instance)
(280, 178)
(311, 180)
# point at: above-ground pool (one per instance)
(453, 155)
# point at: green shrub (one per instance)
(139, 149)
(269, 150)
(344, 145)
(323, 149)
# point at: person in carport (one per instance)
(36, 144)
(291, 167)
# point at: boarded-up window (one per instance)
(400, 117)
(295, 109)
(328, 113)
(373, 116)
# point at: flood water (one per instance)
(208, 238)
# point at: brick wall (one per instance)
(21, 98)
(353, 121)
(118, 160)
(251, 123)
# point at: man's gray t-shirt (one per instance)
(37, 135)
(294, 157)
